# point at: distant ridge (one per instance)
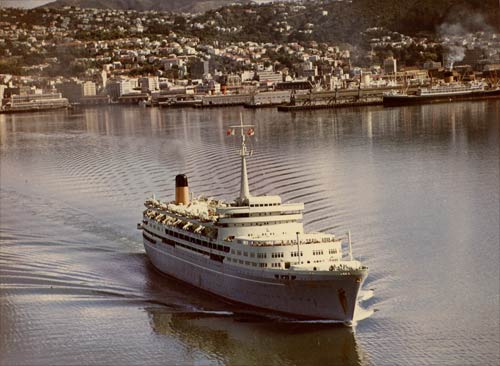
(192, 6)
(345, 19)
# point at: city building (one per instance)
(269, 77)
(390, 66)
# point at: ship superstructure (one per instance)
(253, 250)
(34, 103)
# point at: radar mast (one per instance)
(244, 131)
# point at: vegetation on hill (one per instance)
(344, 21)
(142, 5)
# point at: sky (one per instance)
(23, 3)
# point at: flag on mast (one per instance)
(230, 132)
(250, 131)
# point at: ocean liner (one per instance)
(441, 93)
(253, 250)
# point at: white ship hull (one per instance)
(314, 295)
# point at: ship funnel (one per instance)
(181, 190)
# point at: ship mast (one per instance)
(245, 130)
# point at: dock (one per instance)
(338, 104)
(332, 99)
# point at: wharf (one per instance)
(336, 99)
(179, 104)
(338, 104)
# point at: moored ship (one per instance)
(34, 103)
(253, 250)
(442, 93)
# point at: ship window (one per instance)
(232, 251)
(254, 264)
(247, 263)
(239, 252)
(252, 255)
(240, 261)
(245, 254)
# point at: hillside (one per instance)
(345, 19)
(143, 5)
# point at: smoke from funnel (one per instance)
(455, 54)
(454, 33)
(449, 34)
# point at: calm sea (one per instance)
(418, 187)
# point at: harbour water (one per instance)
(417, 186)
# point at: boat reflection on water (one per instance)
(245, 339)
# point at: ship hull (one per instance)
(312, 295)
(401, 100)
(33, 109)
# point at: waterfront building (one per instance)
(269, 77)
(390, 65)
(295, 85)
(88, 89)
(270, 98)
(225, 100)
(119, 86)
(72, 90)
(199, 69)
(149, 84)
